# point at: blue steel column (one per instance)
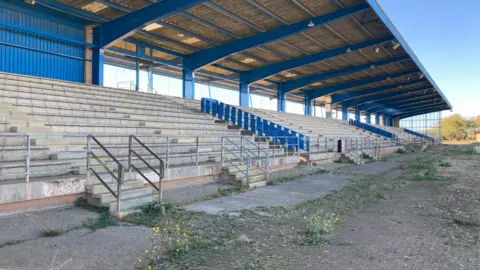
(369, 118)
(97, 59)
(140, 50)
(377, 119)
(385, 121)
(308, 105)
(188, 81)
(244, 95)
(281, 99)
(344, 112)
(357, 115)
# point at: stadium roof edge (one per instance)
(389, 24)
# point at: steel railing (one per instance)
(161, 168)
(120, 177)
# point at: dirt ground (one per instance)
(422, 212)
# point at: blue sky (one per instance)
(445, 35)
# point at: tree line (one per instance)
(457, 127)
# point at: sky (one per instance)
(445, 36)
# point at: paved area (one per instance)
(22, 227)
(111, 248)
(286, 194)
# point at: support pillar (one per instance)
(97, 60)
(188, 81)
(244, 95)
(397, 122)
(150, 79)
(385, 121)
(368, 118)
(281, 99)
(328, 107)
(357, 115)
(377, 119)
(137, 75)
(344, 112)
(307, 110)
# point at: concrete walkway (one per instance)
(291, 193)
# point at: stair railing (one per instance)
(119, 177)
(266, 161)
(245, 172)
(161, 168)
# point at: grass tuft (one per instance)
(50, 233)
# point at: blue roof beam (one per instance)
(258, 74)
(347, 96)
(388, 102)
(428, 110)
(120, 28)
(302, 82)
(393, 111)
(208, 56)
(318, 92)
(385, 96)
(401, 106)
(419, 111)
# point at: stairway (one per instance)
(133, 195)
(237, 171)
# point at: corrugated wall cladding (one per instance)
(30, 54)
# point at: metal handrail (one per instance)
(120, 169)
(160, 172)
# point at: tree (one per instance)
(455, 127)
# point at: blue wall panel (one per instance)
(30, 54)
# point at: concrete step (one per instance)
(31, 130)
(126, 205)
(107, 198)
(96, 189)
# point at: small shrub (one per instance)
(340, 161)
(320, 228)
(103, 220)
(444, 164)
(169, 243)
(151, 208)
(50, 233)
(400, 151)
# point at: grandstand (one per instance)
(64, 134)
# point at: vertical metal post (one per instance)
(168, 152)
(196, 150)
(241, 147)
(249, 162)
(89, 151)
(119, 188)
(267, 162)
(298, 147)
(221, 151)
(28, 158)
(130, 138)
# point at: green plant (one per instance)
(400, 151)
(151, 208)
(340, 161)
(320, 228)
(82, 203)
(444, 164)
(424, 171)
(103, 220)
(50, 233)
(169, 243)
